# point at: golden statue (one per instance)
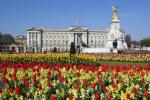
(115, 13)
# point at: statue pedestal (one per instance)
(109, 44)
(115, 50)
(120, 44)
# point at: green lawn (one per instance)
(113, 63)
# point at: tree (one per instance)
(1, 37)
(6, 39)
(145, 42)
(72, 48)
(55, 49)
(128, 40)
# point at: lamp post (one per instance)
(91, 43)
(41, 32)
(95, 43)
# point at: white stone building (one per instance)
(41, 39)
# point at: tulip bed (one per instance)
(57, 77)
(143, 58)
(51, 58)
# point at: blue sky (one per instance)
(18, 15)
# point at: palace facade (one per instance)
(43, 39)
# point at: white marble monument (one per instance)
(115, 33)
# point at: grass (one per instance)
(113, 63)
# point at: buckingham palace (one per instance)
(45, 40)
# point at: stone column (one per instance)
(17, 49)
(35, 49)
(25, 49)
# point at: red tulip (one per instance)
(1, 70)
(121, 80)
(53, 97)
(24, 68)
(71, 97)
(99, 73)
(5, 69)
(103, 88)
(10, 90)
(67, 81)
(76, 86)
(1, 90)
(116, 74)
(48, 75)
(109, 96)
(128, 96)
(117, 68)
(60, 79)
(84, 82)
(99, 80)
(112, 76)
(49, 84)
(135, 90)
(77, 74)
(124, 72)
(24, 79)
(113, 85)
(131, 74)
(39, 74)
(145, 93)
(34, 78)
(67, 68)
(40, 87)
(93, 85)
(142, 73)
(26, 83)
(59, 72)
(14, 76)
(17, 90)
(5, 80)
(143, 80)
(97, 96)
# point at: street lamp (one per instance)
(95, 43)
(91, 43)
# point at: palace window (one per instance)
(33, 36)
(50, 42)
(59, 42)
(46, 42)
(33, 42)
(99, 42)
(30, 36)
(37, 35)
(54, 41)
(50, 36)
(29, 42)
(46, 36)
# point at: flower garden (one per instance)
(57, 77)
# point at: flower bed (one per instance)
(64, 58)
(42, 81)
(143, 58)
(51, 58)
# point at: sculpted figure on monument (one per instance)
(115, 15)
